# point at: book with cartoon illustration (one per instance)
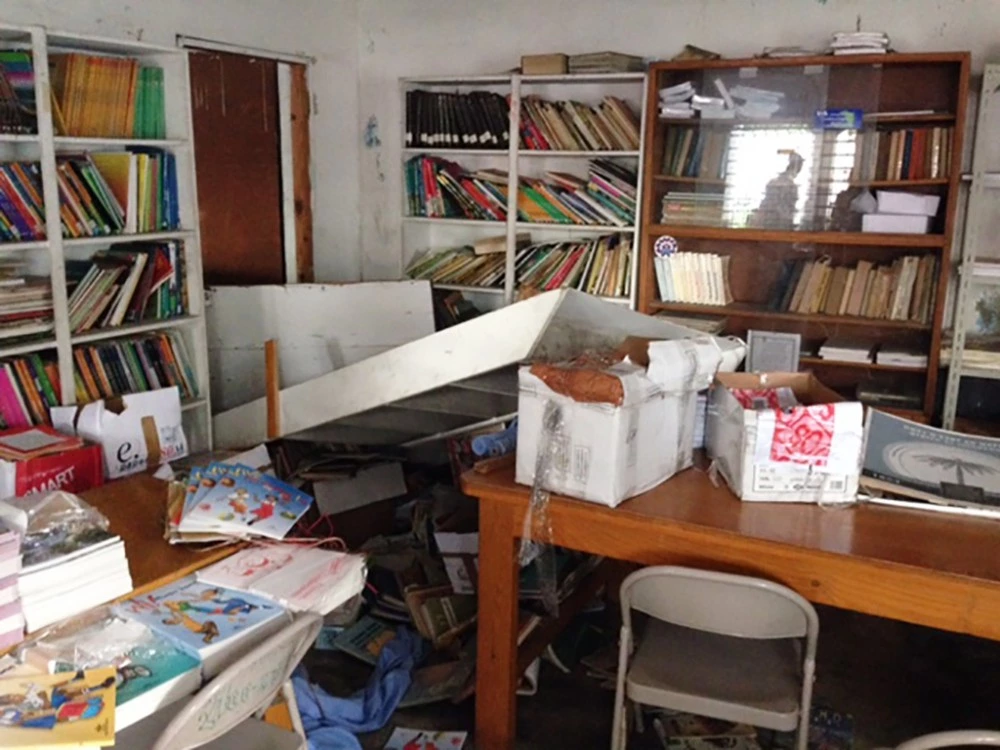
(206, 621)
(72, 709)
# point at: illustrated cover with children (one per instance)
(196, 616)
(73, 709)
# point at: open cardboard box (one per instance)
(742, 441)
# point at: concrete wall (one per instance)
(400, 38)
(324, 29)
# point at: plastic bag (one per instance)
(53, 524)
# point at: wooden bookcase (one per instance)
(47, 256)
(420, 233)
(893, 92)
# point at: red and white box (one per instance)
(51, 461)
(784, 437)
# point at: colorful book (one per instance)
(365, 639)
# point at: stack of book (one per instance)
(126, 284)
(675, 101)
(136, 365)
(903, 154)
(11, 617)
(901, 357)
(904, 290)
(107, 97)
(685, 207)
(459, 265)
(24, 300)
(29, 387)
(69, 570)
(478, 119)
(227, 501)
(118, 193)
(22, 210)
(605, 62)
(440, 188)
(600, 266)
(572, 126)
(843, 349)
(606, 198)
(693, 278)
(17, 93)
(695, 152)
(860, 43)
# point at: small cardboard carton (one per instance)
(625, 423)
(544, 65)
(801, 454)
(75, 470)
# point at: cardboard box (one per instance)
(544, 65)
(896, 202)
(610, 449)
(896, 223)
(75, 471)
(798, 455)
(370, 484)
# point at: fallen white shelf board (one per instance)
(447, 381)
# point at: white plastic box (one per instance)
(896, 223)
(741, 442)
(607, 453)
(896, 202)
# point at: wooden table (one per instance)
(135, 509)
(914, 566)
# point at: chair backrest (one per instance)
(242, 689)
(719, 603)
(952, 739)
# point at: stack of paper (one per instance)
(846, 350)
(901, 357)
(753, 103)
(605, 62)
(303, 579)
(11, 619)
(860, 43)
(675, 101)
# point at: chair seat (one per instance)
(735, 679)
(251, 734)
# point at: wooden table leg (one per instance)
(496, 665)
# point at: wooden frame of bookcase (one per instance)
(939, 243)
(196, 412)
(514, 152)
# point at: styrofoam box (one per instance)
(896, 223)
(734, 433)
(896, 202)
(606, 453)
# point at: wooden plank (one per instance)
(273, 380)
(302, 180)
(734, 234)
(779, 62)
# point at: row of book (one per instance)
(902, 290)
(601, 266)
(440, 188)
(29, 387)
(103, 96)
(133, 365)
(126, 284)
(100, 194)
(17, 93)
(695, 152)
(460, 266)
(910, 154)
(612, 125)
(477, 119)
(607, 197)
(693, 278)
(687, 207)
(25, 299)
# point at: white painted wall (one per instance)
(324, 29)
(400, 38)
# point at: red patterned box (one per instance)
(72, 471)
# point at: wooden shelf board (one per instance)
(64, 141)
(468, 288)
(894, 58)
(416, 150)
(18, 138)
(132, 329)
(603, 228)
(750, 311)
(900, 184)
(115, 239)
(819, 238)
(25, 347)
(891, 119)
(694, 180)
(194, 403)
(12, 247)
(455, 221)
(545, 153)
(913, 415)
(872, 366)
(483, 80)
(632, 77)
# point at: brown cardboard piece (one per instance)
(552, 64)
(806, 386)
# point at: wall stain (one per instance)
(378, 167)
(371, 133)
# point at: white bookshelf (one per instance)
(423, 233)
(49, 255)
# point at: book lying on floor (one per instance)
(303, 579)
(211, 623)
(365, 639)
(425, 739)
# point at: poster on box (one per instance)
(135, 431)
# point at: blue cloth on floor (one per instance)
(331, 723)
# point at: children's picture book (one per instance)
(326, 640)
(365, 639)
(438, 682)
(202, 620)
(73, 709)
(425, 739)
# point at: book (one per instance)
(438, 188)
(299, 578)
(60, 710)
(438, 682)
(208, 622)
(611, 125)
(425, 739)
(365, 639)
(475, 119)
(155, 361)
(17, 93)
(696, 278)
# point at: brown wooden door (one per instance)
(238, 156)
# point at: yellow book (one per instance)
(69, 709)
(143, 189)
(118, 168)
